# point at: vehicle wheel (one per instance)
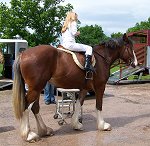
(61, 122)
(55, 116)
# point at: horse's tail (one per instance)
(18, 91)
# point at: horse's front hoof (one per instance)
(104, 126)
(107, 127)
(32, 137)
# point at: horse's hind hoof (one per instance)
(32, 137)
(50, 132)
(78, 126)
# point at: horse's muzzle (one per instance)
(133, 63)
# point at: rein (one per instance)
(122, 53)
(106, 60)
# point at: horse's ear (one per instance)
(125, 37)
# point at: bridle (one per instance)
(131, 61)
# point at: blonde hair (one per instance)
(71, 16)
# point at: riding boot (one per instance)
(88, 66)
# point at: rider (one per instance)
(69, 32)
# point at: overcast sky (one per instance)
(111, 15)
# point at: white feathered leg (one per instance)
(101, 124)
(25, 127)
(75, 118)
(43, 130)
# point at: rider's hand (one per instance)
(77, 33)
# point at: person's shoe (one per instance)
(47, 102)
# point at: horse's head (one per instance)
(127, 53)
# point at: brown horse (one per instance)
(43, 63)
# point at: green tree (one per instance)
(37, 21)
(116, 35)
(91, 35)
(140, 26)
(4, 19)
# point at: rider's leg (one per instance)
(83, 48)
(88, 62)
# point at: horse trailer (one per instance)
(141, 41)
(10, 49)
(141, 45)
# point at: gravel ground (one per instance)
(125, 107)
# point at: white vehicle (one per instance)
(13, 46)
(11, 49)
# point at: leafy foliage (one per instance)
(140, 26)
(91, 35)
(37, 21)
(116, 35)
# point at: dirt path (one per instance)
(126, 108)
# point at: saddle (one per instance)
(78, 57)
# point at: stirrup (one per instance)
(89, 75)
(91, 68)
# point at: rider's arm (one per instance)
(73, 29)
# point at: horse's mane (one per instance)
(112, 43)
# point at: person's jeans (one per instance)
(49, 93)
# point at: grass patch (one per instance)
(135, 77)
(114, 69)
(1, 70)
(132, 77)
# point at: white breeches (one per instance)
(78, 48)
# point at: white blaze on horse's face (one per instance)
(135, 59)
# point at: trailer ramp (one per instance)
(126, 72)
